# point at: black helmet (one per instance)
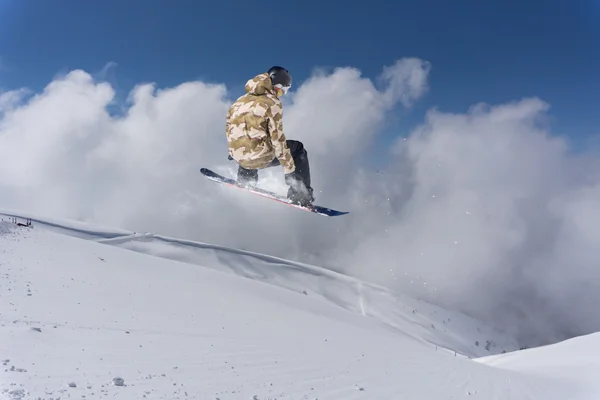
(280, 76)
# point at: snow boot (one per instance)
(247, 177)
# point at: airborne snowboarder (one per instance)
(254, 131)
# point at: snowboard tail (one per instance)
(213, 176)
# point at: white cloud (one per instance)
(483, 211)
(406, 80)
(10, 99)
(493, 222)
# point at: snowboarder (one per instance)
(254, 131)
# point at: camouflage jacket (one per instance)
(254, 127)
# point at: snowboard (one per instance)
(213, 176)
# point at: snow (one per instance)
(95, 312)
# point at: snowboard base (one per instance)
(213, 176)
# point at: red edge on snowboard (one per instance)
(213, 176)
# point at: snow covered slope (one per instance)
(82, 318)
(422, 321)
(575, 361)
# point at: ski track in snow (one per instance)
(206, 322)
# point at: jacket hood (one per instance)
(260, 85)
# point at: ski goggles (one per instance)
(282, 90)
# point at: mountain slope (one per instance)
(74, 311)
(433, 325)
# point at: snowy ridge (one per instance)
(414, 318)
(419, 320)
(69, 227)
(579, 355)
(84, 316)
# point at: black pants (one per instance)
(300, 157)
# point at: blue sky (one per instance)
(480, 51)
